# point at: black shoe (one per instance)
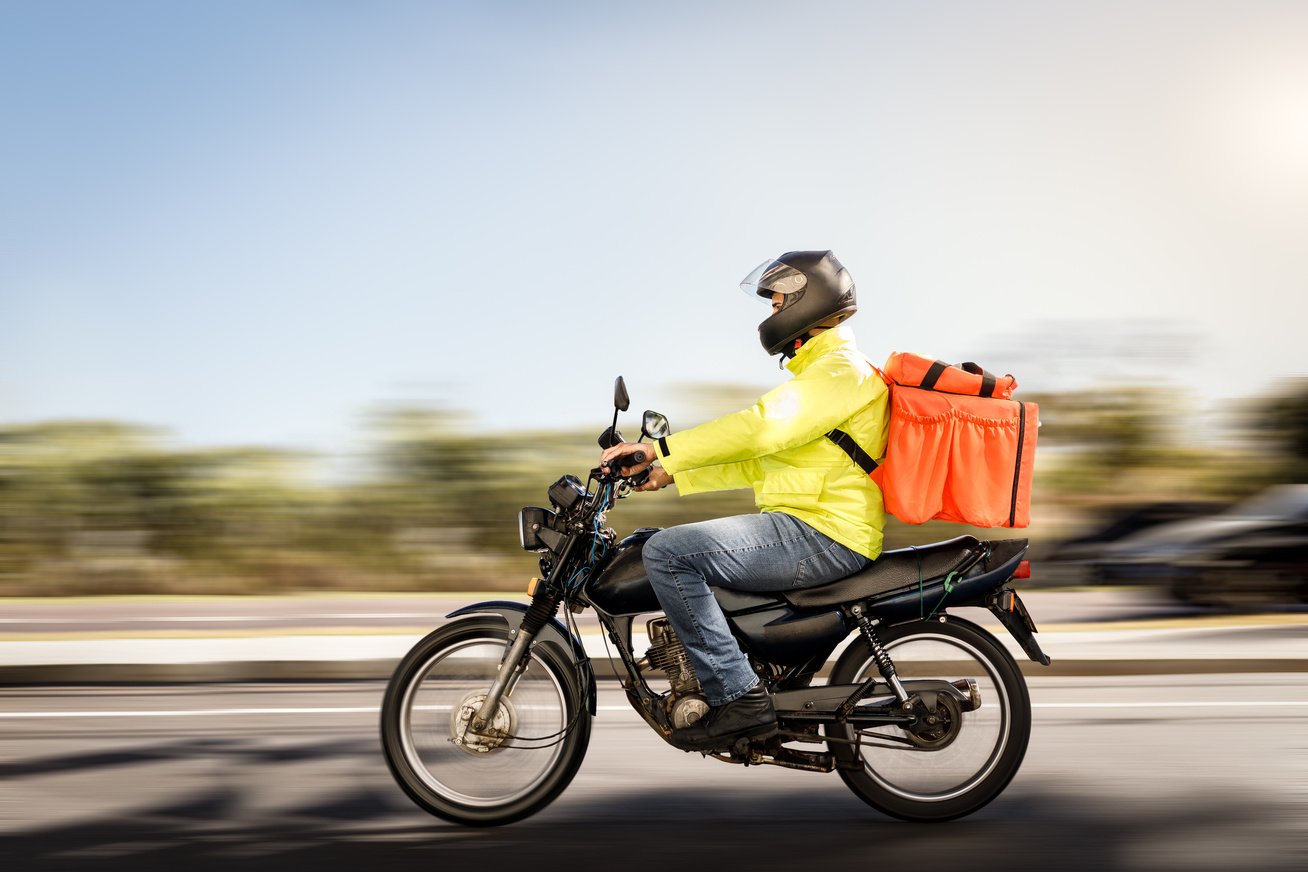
(747, 717)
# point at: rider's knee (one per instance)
(655, 547)
(662, 547)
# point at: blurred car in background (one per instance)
(1252, 553)
(1079, 560)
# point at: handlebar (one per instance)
(625, 461)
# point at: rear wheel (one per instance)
(959, 761)
(514, 767)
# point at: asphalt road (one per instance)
(1140, 773)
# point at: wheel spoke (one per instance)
(976, 741)
(956, 756)
(504, 770)
(506, 760)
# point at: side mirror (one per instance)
(620, 399)
(655, 425)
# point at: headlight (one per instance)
(531, 522)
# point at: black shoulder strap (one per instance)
(850, 447)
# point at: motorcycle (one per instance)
(924, 715)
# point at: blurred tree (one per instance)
(103, 507)
(1280, 425)
(1118, 442)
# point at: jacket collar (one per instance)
(827, 341)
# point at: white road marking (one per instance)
(197, 713)
(356, 710)
(200, 619)
(1186, 704)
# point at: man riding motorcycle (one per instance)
(821, 517)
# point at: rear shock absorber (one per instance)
(885, 665)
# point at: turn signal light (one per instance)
(531, 586)
(1023, 569)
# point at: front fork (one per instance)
(511, 668)
(544, 606)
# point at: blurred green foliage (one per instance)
(1283, 421)
(93, 507)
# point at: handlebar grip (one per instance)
(623, 461)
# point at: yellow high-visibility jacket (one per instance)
(779, 446)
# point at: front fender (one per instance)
(554, 631)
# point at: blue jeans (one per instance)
(767, 552)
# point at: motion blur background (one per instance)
(316, 295)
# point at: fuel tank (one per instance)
(619, 585)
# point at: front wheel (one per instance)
(964, 759)
(515, 766)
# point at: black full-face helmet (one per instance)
(818, 292)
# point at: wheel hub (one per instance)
(936, 727)
(493, 737)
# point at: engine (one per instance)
(686, 702)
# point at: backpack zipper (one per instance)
(1017, 471)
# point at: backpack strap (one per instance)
(988, 380)
(847, 444)
(933, 375)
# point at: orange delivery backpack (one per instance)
(959, 447)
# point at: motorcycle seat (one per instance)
(893, 570)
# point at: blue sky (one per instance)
(255, 222)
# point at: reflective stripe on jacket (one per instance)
(779, 447)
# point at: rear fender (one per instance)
(512, 614)
(1012, 613)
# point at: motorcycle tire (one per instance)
(971, 757)
(541, 729)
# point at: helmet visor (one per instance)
(773, 277)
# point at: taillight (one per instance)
(1023, 570)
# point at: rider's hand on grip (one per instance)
(625, 456)
(617, 464)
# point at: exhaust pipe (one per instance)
(968, 688)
